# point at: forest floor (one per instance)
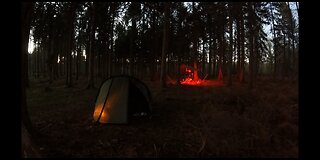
(187, 121)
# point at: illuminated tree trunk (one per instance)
(220, 75)
(195, 71)
(203, 56)
(195, 42)
(179, 69)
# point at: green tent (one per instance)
(121, 97)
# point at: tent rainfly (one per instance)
(121, 97)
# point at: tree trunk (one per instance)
(210, 55)
(91, 46)
(37, 61)
(203, 57)
(274, 46)
(242, 54)
(195, 43)
(214, 63)
(164, 45)
(26, 17)
(78, 61)
(26, 65)
(132, 47)
(292, 39)
(238, 49)
(251, 42)
(28, 132)
(179, 72)
(221, 54)
(111, 42)
(230, 51)
(284, 59)
(71, 17)
(28, 148)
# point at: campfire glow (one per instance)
(190, 81)
(189, 77)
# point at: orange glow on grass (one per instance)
(191, 82)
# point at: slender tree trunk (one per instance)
(43, 57)
(242, 54)
(298, 9)
(292, 38)
(26, 64)
(164, 45)
(210, 55)
(203, 57)
(111, 42)
(78, 61)
(252, 45)
(275, 44)
(221, 53)
(230, 51)
(71, 17)
(132, 46)
(67, 61)
(54, 72)
(152, 62)
(284, 59)
(214, 63)
(28, 131)
(91, 46)
(179, 72)
(238, 49)
(38, 61)
(99, 64)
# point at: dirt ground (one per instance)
(187, 121)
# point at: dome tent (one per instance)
(119, 98)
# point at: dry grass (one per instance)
(187, 121)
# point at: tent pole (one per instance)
(104, 104)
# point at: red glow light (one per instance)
(190, 81)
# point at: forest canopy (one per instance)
(99, 39)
